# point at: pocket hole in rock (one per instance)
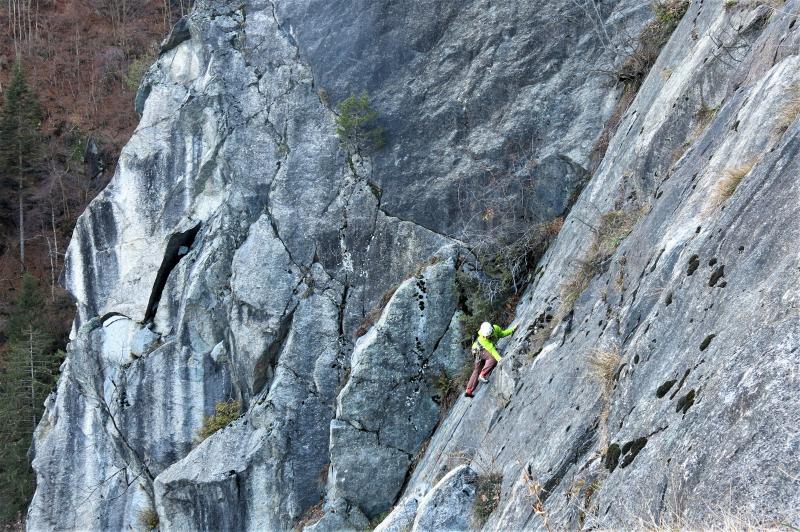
(612, 457)
(664, 388)
(694, 263)
(705, 343)
(630, 450)
(718, 274)
(685, 402)
(680, 385)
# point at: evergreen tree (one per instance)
(28, 371)
(20, 147)
(29, 305)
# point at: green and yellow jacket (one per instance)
(488, 343)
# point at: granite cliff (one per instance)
(236, 252)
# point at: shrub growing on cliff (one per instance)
(613, 227)
(136, 71)
(357, 125)
(654, 36)
(449, 389)
(224, 413)
(507, 269)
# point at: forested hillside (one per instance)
(69, 71)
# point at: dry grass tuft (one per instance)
(535, 491)
(726, 185)
(148, 518)
(603, 367)
(310, 516)
(752, 4)
(719, 521)
(603, 364)
(375, 312)
(702, 118)
(573, 287)
(789, 111)
(613, 228)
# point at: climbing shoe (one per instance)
(482, 379)
(468, 394)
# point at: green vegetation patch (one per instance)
(224, 413)
(136, 71)
(653, 37)
(487, 496)
(357, 125)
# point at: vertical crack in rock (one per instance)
(265, 366)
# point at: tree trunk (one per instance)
(54, 252)
(21, 228)
(33, 390)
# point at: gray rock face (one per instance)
(389, 405)
(401, 518)
(700, 302)
(238, 248)
(449, 504)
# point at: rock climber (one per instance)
(486, 355)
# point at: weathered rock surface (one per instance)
(448, 506)
(390, 403)
(700, 300)
(238, 248)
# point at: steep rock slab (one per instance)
(449, 504)
(262, 471)
(699, 301)
(401, 517)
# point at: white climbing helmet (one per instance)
(486, 329)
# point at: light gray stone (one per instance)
(389, 405)
(449, 505)
(401, 518)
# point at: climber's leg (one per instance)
(473, 380)
(489, 366)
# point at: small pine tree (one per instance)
(20, 146)
(356, 125)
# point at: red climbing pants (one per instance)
(484, 364)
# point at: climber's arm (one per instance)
(502, 333)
